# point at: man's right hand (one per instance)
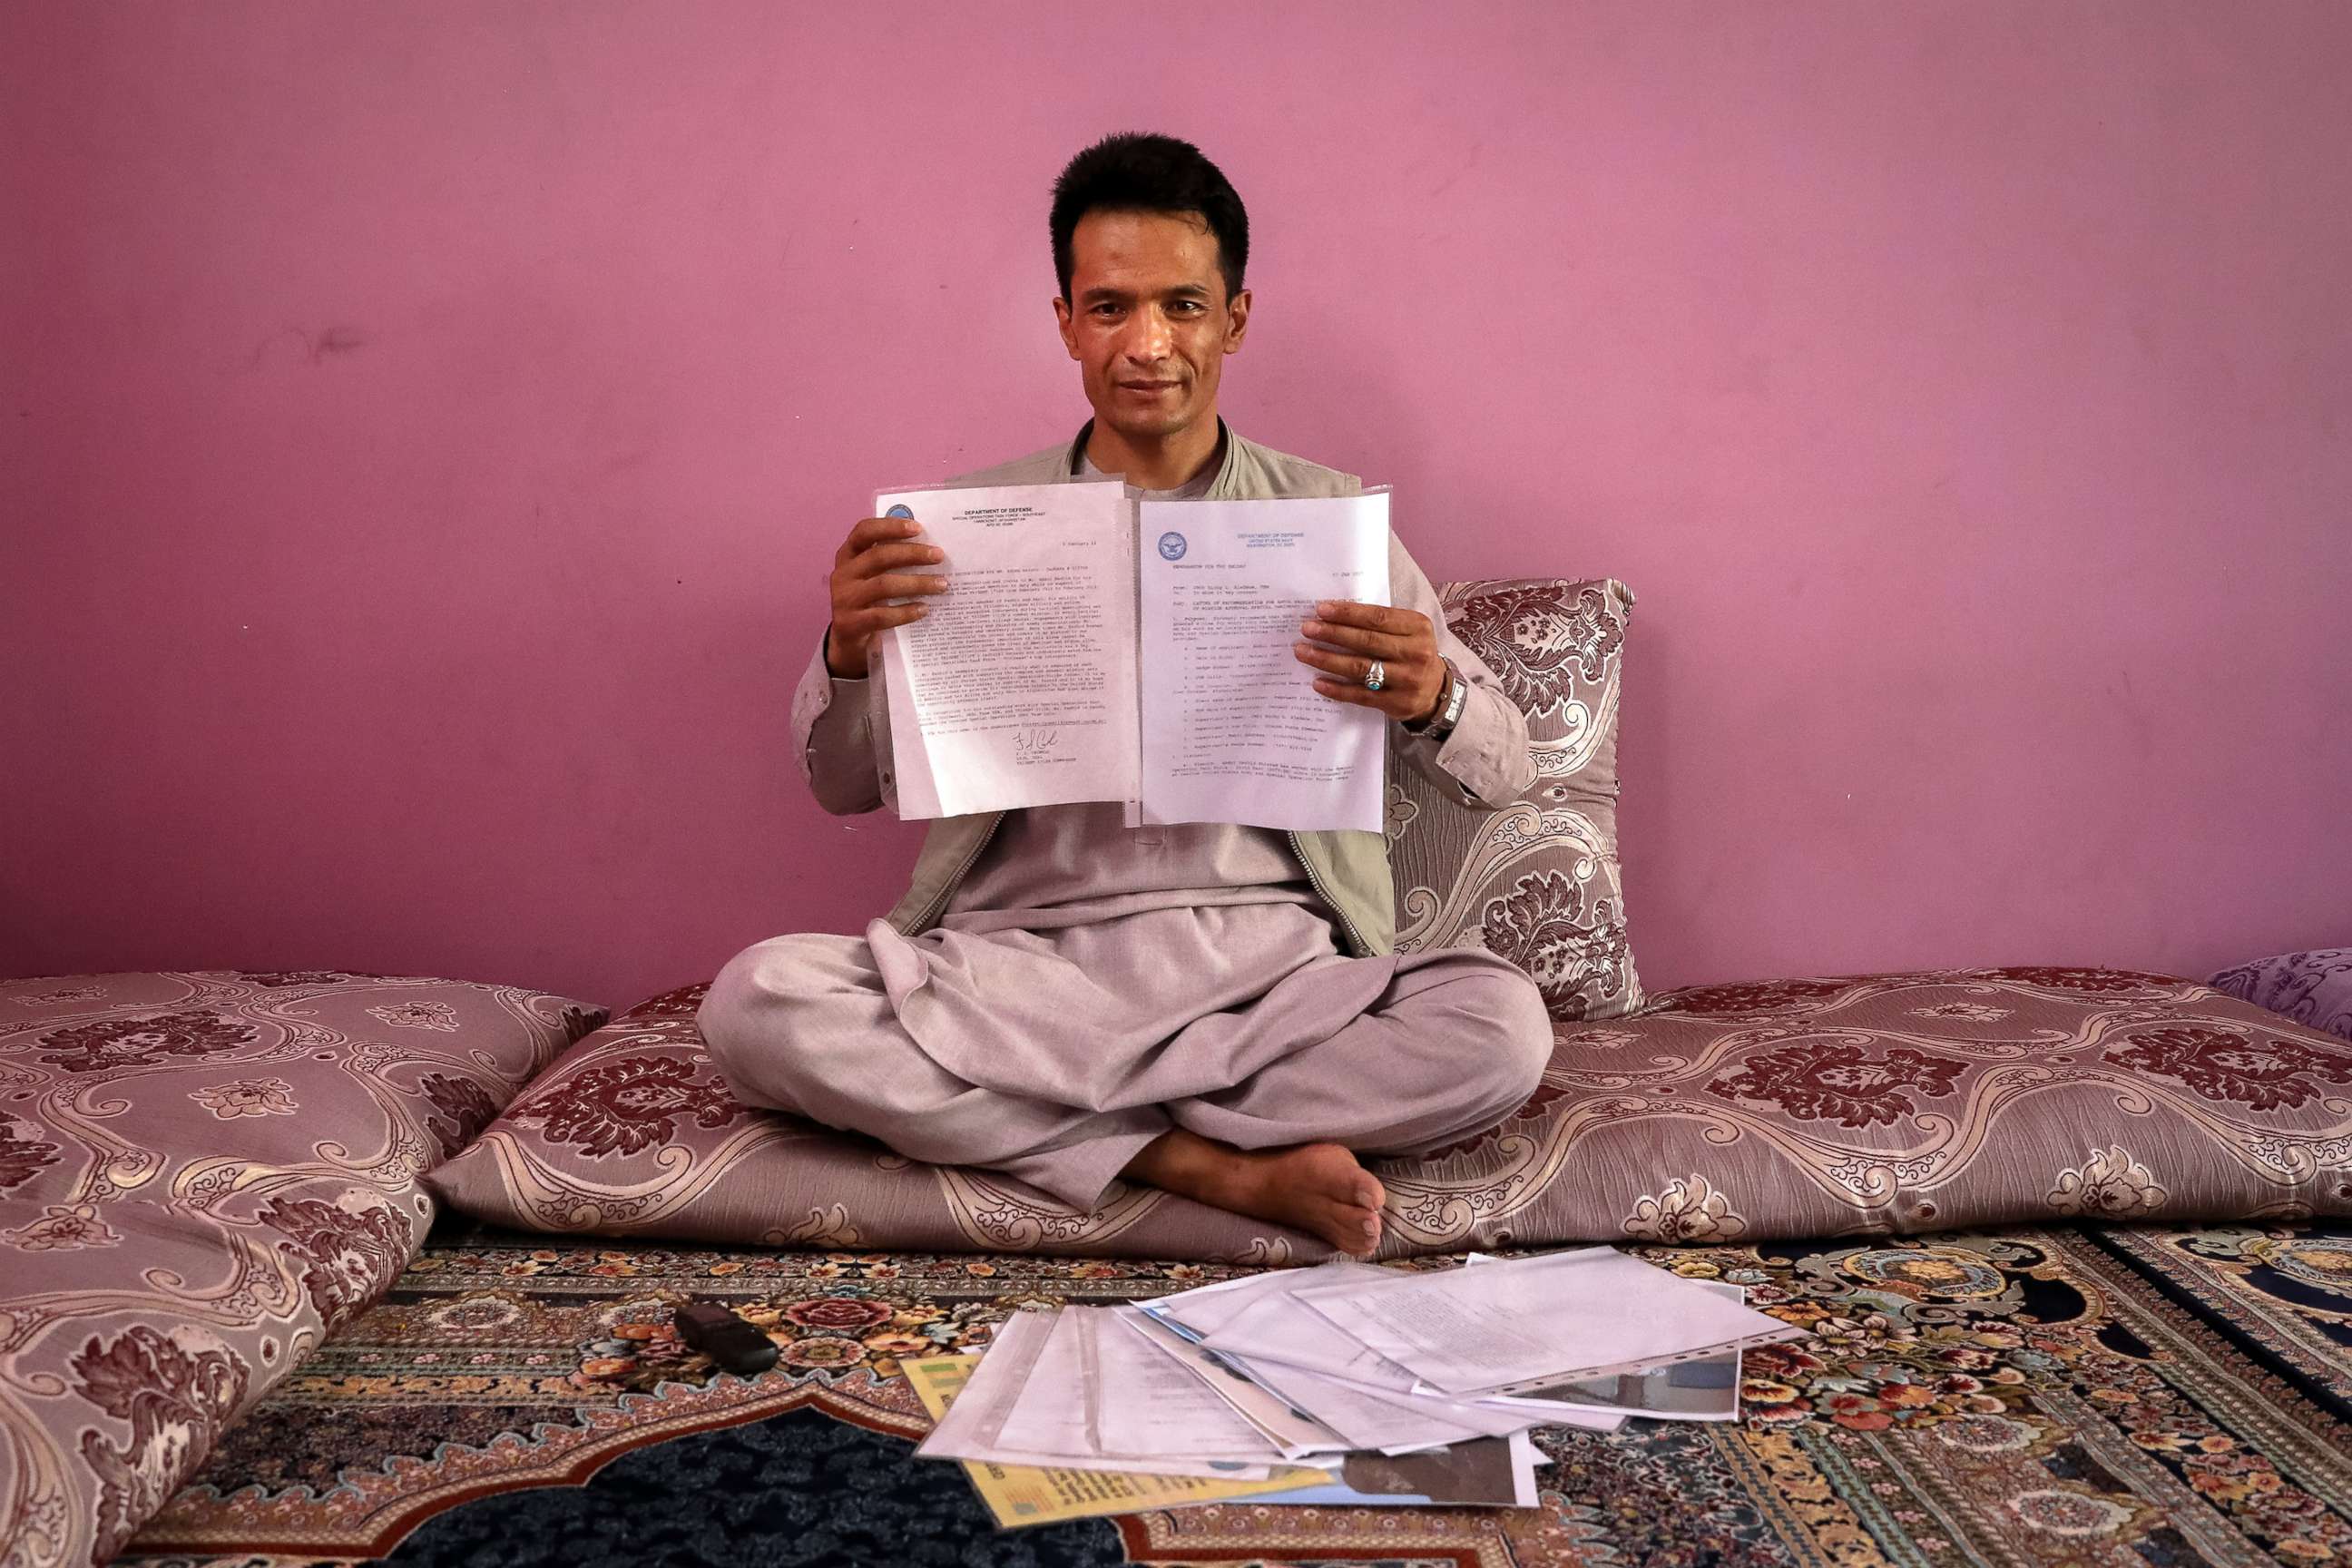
(870, 568)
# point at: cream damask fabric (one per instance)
(201, 1175)
(1902, 1103)
(1536, 881)
(1869, 1106)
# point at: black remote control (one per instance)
(725, 1339)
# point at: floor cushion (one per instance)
(1903, 1103)
(2314, 988)
(1876, 1105)
(1536, 881)
(201, 1175)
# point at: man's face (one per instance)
(1148, 320)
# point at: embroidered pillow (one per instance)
(1536, 881)
(2314, 988)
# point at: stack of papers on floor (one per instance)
(1346, 1383)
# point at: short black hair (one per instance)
(1136, 170)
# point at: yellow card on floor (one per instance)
(1021, 1494)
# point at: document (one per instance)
(1531, 1322)
(1093, 647)
(1017, 686)
(1366, 1420)
(1393, 1386)
(1490, 1471)
(1142, 1401)
(1234, 730)
(1282, 1328)
(1706, 1389)
(1259, 1327)
(1154, 1411)
(1025, 1494)
(1290, 1344)
(1048, 1416)
(1022, 1408)
(1205, 1309)
(1293, 1432)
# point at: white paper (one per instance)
(1293, 1433)
(1144, 1402)
(973, 1425)
(1536, 1322)
(1280, 1327)
(1048, 1416)
(1370, 1418)
(1234, 730)
(1524, 1458)
(979, 1410)
(1278, 1332)
(1704, 1389)
(1065, 664)
(1017, 686)
(1258, 1325)
(1205, 1309)
(1385, 1420)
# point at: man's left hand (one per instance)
(1413, 674)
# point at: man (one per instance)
(1068, 1000)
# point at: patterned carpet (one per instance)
(2150, 1398)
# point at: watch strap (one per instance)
(1449, 709)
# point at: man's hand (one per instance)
(1414, 675)
(868, 570)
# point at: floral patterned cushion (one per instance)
(1537, 881)
(1887, 1104)
(201, 1175)
(2314, 988)
(1901, 1103)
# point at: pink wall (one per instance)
(426, 425)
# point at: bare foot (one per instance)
(1315, 1187)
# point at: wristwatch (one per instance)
(1439, 725)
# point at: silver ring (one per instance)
(1376, 676)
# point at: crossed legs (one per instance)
(1452, 1044)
